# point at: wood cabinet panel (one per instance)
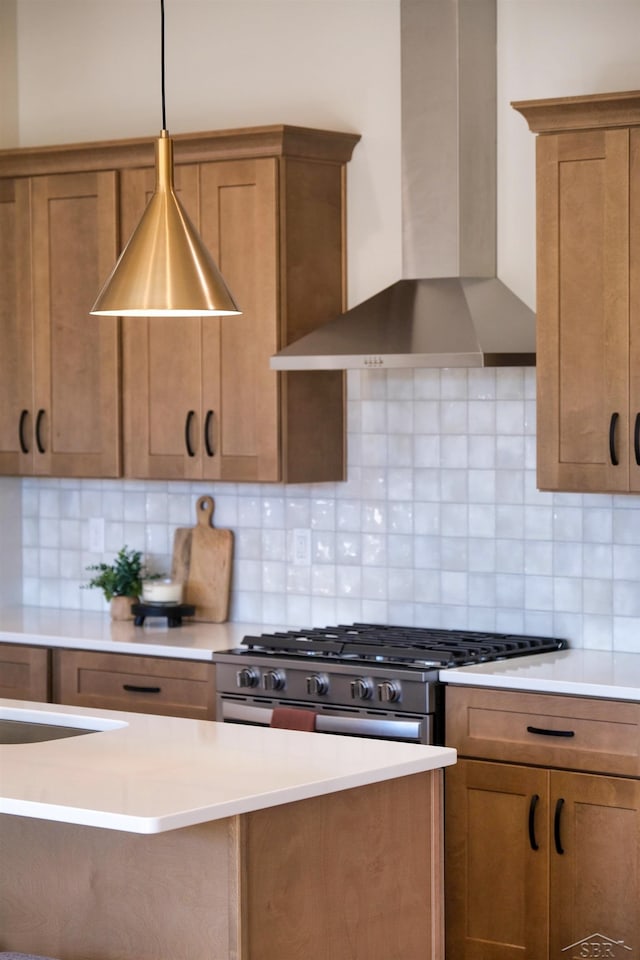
(570, 732)
(208, 405)
(200, 400)
(62, 419)
(583, 311)
(595, 882)
(24, 672)
(16, 329)
(178, 688)
(76, 356)
(496, 881)
(588, 291)
(540, 860)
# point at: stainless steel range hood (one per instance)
(449, 309)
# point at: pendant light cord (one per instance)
(164, 108)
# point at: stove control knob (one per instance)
(273, 680)
(389, 691)
(248, 677)
(361, 689)
(317, 684)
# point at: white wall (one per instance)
(8, 73)
(550, 48)
(91, 70)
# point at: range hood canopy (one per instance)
(449, 310)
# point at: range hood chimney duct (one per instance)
(449, 309)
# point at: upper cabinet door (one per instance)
(162, 380)
(16, 330)
(76, 360)
(583, 311)
(240, 392)
(634, 309)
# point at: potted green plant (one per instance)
(121, 581)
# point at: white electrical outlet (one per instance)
(302, 547)
(96, 534)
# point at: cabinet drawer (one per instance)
(576, 733)
(118, 681)
(24, 672)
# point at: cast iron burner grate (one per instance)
(416, 646)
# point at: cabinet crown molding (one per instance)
(586, 112)
(277, 140)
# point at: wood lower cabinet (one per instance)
(588, 291)
(115, 681)
(25, 672)
(182, 398)
(540, 861)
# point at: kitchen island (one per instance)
(173, 839)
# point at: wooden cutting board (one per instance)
(202, 557)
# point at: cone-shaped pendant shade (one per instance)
(165, 269)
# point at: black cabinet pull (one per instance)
(532, 822)
(39, 443)
(23, 418)
(187, 433)
(132, 688)
(613, 456)
(636, 439)
(207, 434)
(543, 732)
(556, 826)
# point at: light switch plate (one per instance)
(301, 547)
(96, 534)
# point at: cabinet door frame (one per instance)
(53, 437)
(594, 884)
(564, 260)
(16, 367)
(515, 873)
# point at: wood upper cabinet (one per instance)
(200, 400)
(540, 859)
(16, 329)
(588, 291)
(60, 366)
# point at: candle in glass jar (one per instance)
(161, 591)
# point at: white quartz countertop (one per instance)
(97, 631)
(584, 673)
(148, 774)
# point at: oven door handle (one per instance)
(357, 726)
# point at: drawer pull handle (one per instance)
(23, 417)
(613, 456)
(636, 439)
(207, 434)
(543, 732)
(556, 826)
(187, 433)
(132, 688)
(532, 822)
(39, 443)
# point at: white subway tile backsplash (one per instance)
(438, 523)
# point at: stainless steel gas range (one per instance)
(361, 680)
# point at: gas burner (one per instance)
(404, 646)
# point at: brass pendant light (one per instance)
(165, 269)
